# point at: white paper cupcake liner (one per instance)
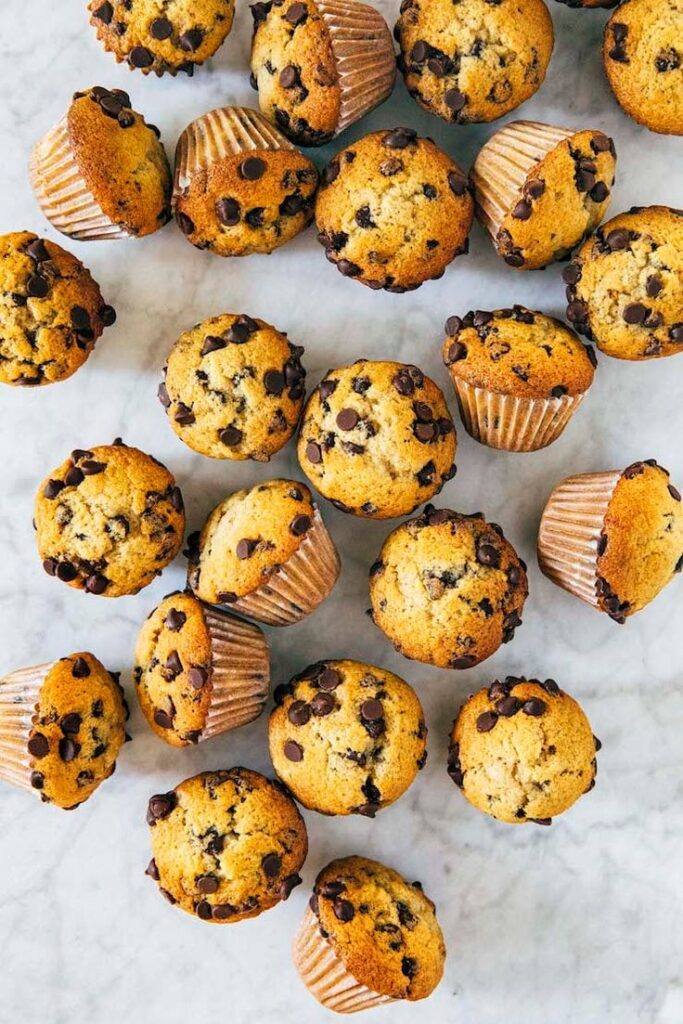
(324, 974)
(19, 695)
(570, 529)
(240, 672)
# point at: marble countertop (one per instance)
(576, 924)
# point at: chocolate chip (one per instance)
(343, 910)
(96, 583)
(486, 721)
(299, 712)
(314, 453)
(488, 555)
(534, 707)
(599, 192)
(399, 138)
(619, 238)
(207, 884)
(64, 571)
(38, 745)
(288, 884)
(457, 350)
(245, 548)
(409, 966)
(191, 40)
(274, 382)
(271, 864)
(296, 14)
(53, 488)
(241, 330)
(230, 436)
(163, 719)
(300, 525)
(322, 704)
(161, 28)
(653, 285)
(329, 679)
(37, 780)
(68, 749)
(140, 57)
(289, 77)
(347, 419)
(293, 752)
(534, 188)
(457, 183)
(37, 287)
(197, 677)
(558, 391)
(508, 706)
(175, 620)
(228, 212)
(185, 224)
(674, 492)
(522, 210)
(152, 870)
(371, 710)
(635, 313)
(252, 168)
(454, 99)
(80, 669)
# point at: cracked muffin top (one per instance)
(475, 60)
(393, 210)
(51, 311)
(642, 51)
(517, 352)
(522, 751)
(377, 439)
(108, 520)
(625, 284)
(347, 738)
(448, 589)
(234, 388)
(383, 928)
(226, 845)
(77, 730)
(162, 37)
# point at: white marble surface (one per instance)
(577, 924)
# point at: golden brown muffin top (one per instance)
(448, 588)
(518, 352)
(382, 928)
(625, 284)
(51, 311)
(77, 730)
(226, 845)
(522, 751)
(108, 520)
(346, 737)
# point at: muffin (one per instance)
(347, 738)
(538, 189)
(377, 439)
(199, 671)
(319, 67)
(368, 938)
(233, 388)
(522, 751)
(102, 172)
(226, 845)
(448, 589)
(108, 520)
(240, 187)
(474, 60)
(163, 38)
(519, 376)
(393, 210)
(265, 552)
(614, 539)
(643, 59)
(625, 285)
(61, 728)
(51, 311)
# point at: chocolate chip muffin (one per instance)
(102, 172)
(448, 589)
(642, 51)
(614, 539)
(51, 311)
(369, 938)
(393, 210)
(234, 388)
(625, 285)
(377, 439)
(319, 66)
(519, 375)
(199, 671)
(240, 186)
(522, 751)
(61, 728)
(108, 520)
(347, 738)
(162, 37)
(226, 845)
(540, 189)
(265, 552)
(475, 62)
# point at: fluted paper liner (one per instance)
(240, 672)
(570, 529)
(324, 974)
(60, 188)
(513, 423)
(505, 162)
(19, 694)
(301, 583)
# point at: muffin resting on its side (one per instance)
(226, 845)
(347, 738)
(377, 439)
(108, 520)
(51, 311)
(162, 37)
(368, 938)
(393, 210)
(522, 751)
(642, 51)
(234, 388)
(448, 589)
(625, 284)
(61, 728)
(102, 172)
(473, 60)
